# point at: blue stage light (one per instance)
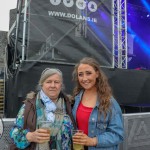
(145, 46)
(146, 4)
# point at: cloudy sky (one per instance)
(5, 6)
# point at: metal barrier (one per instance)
(136, 125)
(5, 140)
(137, 131)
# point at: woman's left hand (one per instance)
(83, 139)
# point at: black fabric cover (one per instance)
(130, 87)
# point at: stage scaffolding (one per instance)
(119, 27)
(120, 34)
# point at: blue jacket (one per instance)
(109, 131)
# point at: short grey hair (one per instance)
(49, 72)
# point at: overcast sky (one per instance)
(5, 6)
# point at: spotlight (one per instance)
(147, 15)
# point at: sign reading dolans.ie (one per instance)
(1, 128)
(81, 4)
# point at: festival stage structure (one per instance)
(58, 33)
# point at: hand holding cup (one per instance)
(76, 137)
(44, 130)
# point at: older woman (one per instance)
(49, 104)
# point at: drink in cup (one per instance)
(44, 125)
(77, 146)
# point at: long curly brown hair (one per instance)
(103, 88)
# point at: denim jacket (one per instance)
(109, 131)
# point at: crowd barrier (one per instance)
(136, 125)
(137, 131)
(5, 140)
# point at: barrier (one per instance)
(136, 125)
(137, 131)
(5, 140)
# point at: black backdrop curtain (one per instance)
(130, 87)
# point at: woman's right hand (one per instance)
(38, 136)
(83, 139)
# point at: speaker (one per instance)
(137, 131)
(5, 140)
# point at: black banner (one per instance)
(67, 30)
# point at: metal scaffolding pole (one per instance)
(120, 34)
(24, 30)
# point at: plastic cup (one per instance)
(77, 146)
(76, 131)
(44, 125)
